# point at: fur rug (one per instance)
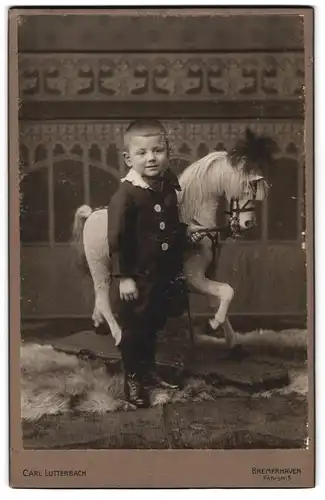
(54, 382)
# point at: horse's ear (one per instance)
(253, 149)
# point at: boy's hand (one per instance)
(193, 234)
(128, 289)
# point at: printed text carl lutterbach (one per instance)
(54, 473)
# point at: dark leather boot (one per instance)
(135, 392)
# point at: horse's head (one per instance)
(248, 160)
(238, 175)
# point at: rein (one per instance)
(233, 228)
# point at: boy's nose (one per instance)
(151, 156)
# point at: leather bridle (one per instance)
(233, 228)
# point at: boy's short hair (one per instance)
(145, 127)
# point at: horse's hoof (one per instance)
(218, 332)
(126, 406)
(237, 353)
(101, 329)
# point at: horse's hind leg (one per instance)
(102, 304)
(99, 322)
(96, 251)
(230, 335)
(103, 309)
(97, 317)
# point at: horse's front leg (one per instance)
(195, 269)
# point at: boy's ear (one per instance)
(127, 158)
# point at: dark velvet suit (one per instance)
(147, 243)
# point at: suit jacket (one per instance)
(145, 235)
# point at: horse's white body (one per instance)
(202, 183)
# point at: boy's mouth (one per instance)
(152, 168)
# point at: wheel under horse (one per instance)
(237, 176)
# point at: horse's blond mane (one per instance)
(204, 182)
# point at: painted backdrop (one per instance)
(82, 79)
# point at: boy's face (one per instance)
(148, 155)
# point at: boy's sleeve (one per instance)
(183, 233)
(121, 233)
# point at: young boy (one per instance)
(146, 241)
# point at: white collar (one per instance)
(135, 178)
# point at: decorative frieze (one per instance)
(186, 138)
(161, 77)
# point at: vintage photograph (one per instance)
(163, 230)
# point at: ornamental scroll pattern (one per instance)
(276, 76)
(189, 140)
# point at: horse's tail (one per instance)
(77, 242)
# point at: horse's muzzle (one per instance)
(250, 224)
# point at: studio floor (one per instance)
(257, 400)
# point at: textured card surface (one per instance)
(231, 402)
